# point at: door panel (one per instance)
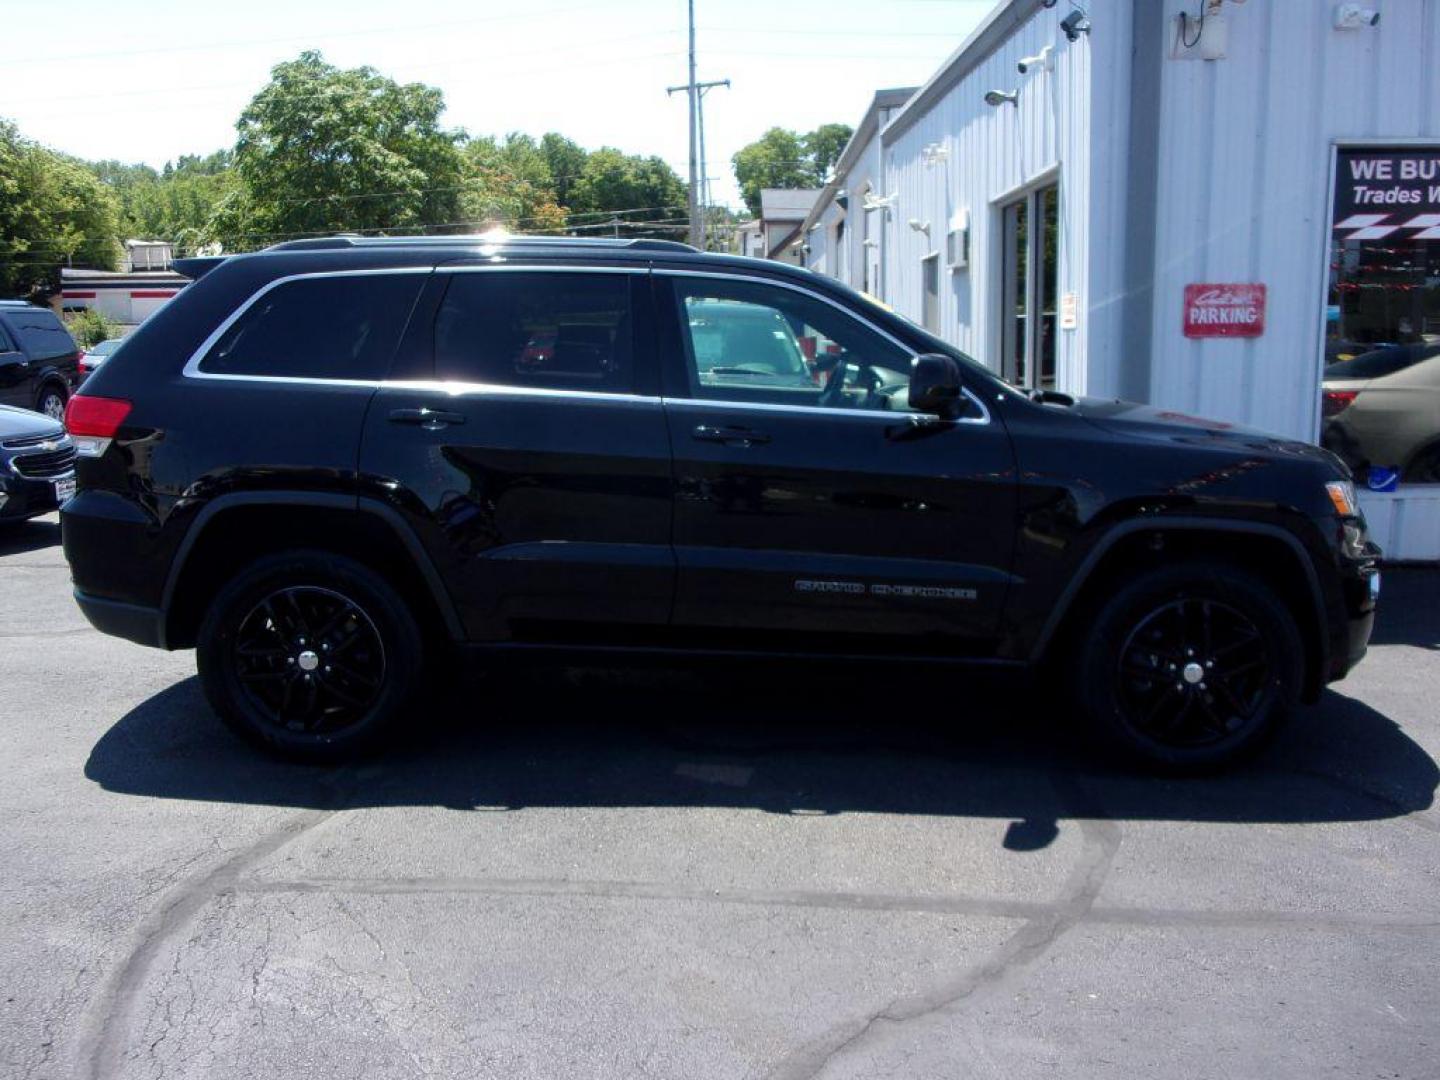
(545, 506)
(844, 519)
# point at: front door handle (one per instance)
(429, 419)
(730, 436)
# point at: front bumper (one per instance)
(22, 497)
(133, 622)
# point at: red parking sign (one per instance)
(1224, 311)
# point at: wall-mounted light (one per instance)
(997, 98)
(1042, 60)
(919, 226)
(879, 202)
(934, 153)
(1075, 24)
(1355, 17)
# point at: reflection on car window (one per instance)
(551, 330)
(752, 342)
(1378, 363)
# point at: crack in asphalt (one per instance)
(1016, 953)
(110, 1017)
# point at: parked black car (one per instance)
(37, 465)
(324, 462)
(39, 360)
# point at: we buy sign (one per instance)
(1224, 311)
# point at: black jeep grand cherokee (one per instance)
(324, 462)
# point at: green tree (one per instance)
(54, 212)
(322, 149)
(785, 159)
(775, 160)
(644, 188)
(508, 183)
(566, 159)
(823, 147)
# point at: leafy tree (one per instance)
(322, 149)
(612, 182)
(53, 213)
(785, 159)
(824, 145)
(508, 183)
(775, 160)
(566, 160)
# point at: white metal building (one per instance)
(1149, 210)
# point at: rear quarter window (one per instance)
(41, 334)
(337, 327)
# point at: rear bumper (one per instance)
(133, 622)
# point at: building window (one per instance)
(1030, 274)
(930, 276)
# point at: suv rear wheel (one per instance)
(313, 656)
(1190, 666)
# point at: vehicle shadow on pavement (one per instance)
(829, 743)
(28, 536)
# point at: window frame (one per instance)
(192, 365)
(676, 382)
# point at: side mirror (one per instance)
(935, 385)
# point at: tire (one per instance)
(1147, 679)
(269, 652)
(51, 401)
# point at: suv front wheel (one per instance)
(1190, 666)
(310, 655)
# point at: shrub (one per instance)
(90, 327)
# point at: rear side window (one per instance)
(342, 327)
(5, 345)
(565, 331)
(41, 334)
(1381, 362)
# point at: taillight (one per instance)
(93, 421)
(1334, 402)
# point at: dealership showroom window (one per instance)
(1381, 395)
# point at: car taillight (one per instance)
(1335, 402)
(93, 421)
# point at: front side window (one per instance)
(753, 342)
(340, 327)
(549, 330)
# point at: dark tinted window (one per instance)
(342, 327)
(1381, 362)
(41, 333)
(569, 331)
(5, 344)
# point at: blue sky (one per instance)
(150, 81)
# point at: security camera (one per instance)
(1353, 17)
(1048, 3)
(1075, 24)
(1040, 59)
(1000, 97)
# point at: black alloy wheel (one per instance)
(310, 659)
(1188, 666)
(1193, 672)
(311, 655)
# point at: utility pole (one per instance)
(693, 90)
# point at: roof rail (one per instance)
(334, 243)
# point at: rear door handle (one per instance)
(730, 436)
(429, 419)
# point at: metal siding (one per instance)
(1246, 145)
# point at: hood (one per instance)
(1128, 419)
(22, 423)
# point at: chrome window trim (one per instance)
(458, 388)
(983, 418)
(888, 415)
(523, 268)
(192, 366)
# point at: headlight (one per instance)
(1342, 497)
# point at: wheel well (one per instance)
(238, 536)
(1418, 456)
(51, 379)
(1269, 558)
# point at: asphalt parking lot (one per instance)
(778, 874)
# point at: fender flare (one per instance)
(1131, 526)
(349, 503)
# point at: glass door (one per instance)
(1030, 284)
